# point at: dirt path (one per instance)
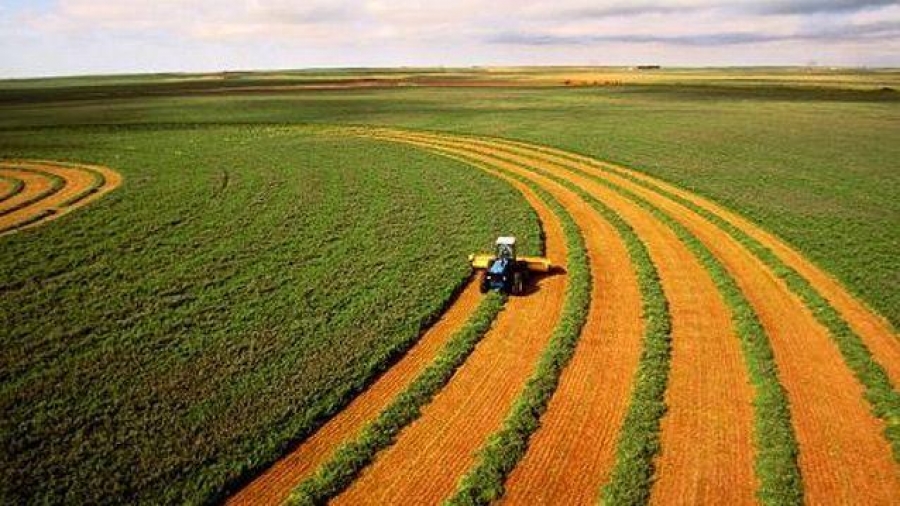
(431, 454)
(875, 331)
(844, 456)
(274, 485)
(707, 433)
(43, 204)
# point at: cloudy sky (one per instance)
(61, 37)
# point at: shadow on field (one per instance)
(534, 282)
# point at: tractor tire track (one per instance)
(434, 451)
(707, 434)
(843, 455)
(276, 483)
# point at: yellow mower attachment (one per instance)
(534, 264)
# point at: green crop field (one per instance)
(242, 285)
(258, 267)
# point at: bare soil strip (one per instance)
(435, 450)
(707, 433)
(876, 332)
(274, 485)
(844, 456)
(36, 203)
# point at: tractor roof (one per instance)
(507, 241)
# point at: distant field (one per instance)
(261, 263)
(808, 157)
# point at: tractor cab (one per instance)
(506, 247)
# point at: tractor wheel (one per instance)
(518, 284)
(483, 286)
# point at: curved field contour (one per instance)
(33, 192)
(707, 436)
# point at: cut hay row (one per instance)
(344, 465)
(435, 450)
(863, 460)
(67, 186)
(723, 452)
(13, 187)
(33, 193)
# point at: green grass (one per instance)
(177, 336)
(350, 458)
(809, 159)
(194, 300)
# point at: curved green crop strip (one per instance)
(883, 398)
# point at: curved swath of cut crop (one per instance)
(814, 375)
(687, 286)
(435, 450)
(48, 190)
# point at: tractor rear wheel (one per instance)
(518, 284)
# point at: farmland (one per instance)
(273, 304)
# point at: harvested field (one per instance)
(48, 190)
(709, 433)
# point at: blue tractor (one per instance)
(504, 271)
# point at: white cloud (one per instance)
(211, 34)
